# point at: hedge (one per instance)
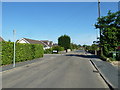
(23, 52)
(58, 48)
(49, 51)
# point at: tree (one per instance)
(85, 45)
(75, 46)
(64, 41)
(79, 45)
(9, 40)
(92, 49)
(110, 31)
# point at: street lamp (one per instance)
(14, 32)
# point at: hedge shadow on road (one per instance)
(83, 56)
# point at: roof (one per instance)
(45, 41)
(31, 41)
(1, 39)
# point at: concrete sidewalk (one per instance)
(109, 72)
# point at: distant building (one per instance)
(49, 43)
(1, 39)
(118, 48)
(55, 44)
(46, 44)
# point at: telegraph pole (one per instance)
(100, 27)
(99, 16)
(99, 8)
(14, 32)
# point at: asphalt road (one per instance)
(55, 71)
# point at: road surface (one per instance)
(55, 71)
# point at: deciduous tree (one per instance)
(110, 31)
(64, 41)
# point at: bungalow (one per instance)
(1, 39)
(46, 44)
(55, 44)
(49, 43)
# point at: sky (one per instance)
(50, 20)
(59, 0)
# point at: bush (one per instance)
(103, 57)
(58, 48)
(118, 56)
(38, 50)
(23, 52)
(7, 53)
(48, 51)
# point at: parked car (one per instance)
(55, 51)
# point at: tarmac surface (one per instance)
(110, 73)
(72, 70)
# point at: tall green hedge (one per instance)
(23, 52)
(58, 48)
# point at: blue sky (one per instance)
(49, 20)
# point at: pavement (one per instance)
(55, 71)
(109, 72)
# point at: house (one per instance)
(55, 44)
(49, 43)
(1, 39)
(46, 44)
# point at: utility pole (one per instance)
(100, 27)
(14, 32)
(99, 8)
(99, 16)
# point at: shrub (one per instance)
(48, 51)
(7, 53)
(38, 50)
(103, 57)
(118, 56)
(23, 52)
(58, 48)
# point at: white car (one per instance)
(55, 51)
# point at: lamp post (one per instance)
(14, 32)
